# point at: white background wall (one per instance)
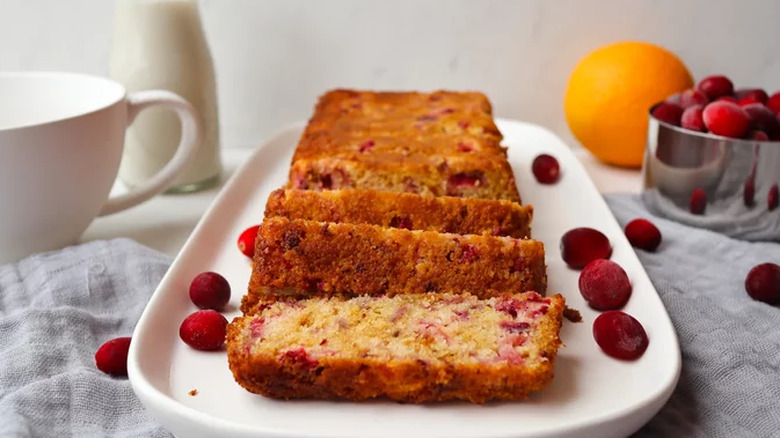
(274, 57)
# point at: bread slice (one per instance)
(358, 143)
(409, 348)
(300, 258)
(473, 176)
(404, 210)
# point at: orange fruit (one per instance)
(610, 92)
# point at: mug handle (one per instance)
(191, 138)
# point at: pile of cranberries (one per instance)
(205, 329)
(603, 283)
(202, 330)
(605, 286)
(714, 106)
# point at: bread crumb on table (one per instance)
(572, 315)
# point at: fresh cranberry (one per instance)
(776, 136)
(111, 357)
(771, 198)
(604, 285)
(620, 335)
(210, 290)
(204, 330)
(752, 94)
(763, 283)
(692, 118)
(773, 103)
(731, 99)
(246, 241)
(546, 169)
(749, 191)
(643, 234)
(668, 112)
(745, 101)
(757, 136)
(581, 246)
(689, 98)
(726, 119)
(761, 118)
(698, 201)
(716, 86)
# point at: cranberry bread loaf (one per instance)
(300, 258)
(404, 210)
(440, 144)
(409, 348)
(377, 113)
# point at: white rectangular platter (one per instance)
(592, 394)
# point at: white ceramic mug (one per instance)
(61, 141)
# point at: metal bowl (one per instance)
(677, 162)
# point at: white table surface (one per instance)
(165, 222)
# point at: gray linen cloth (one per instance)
(730, 381)
(56, 309)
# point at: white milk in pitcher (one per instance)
(159, 44)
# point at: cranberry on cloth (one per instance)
(730, 343)
(56, 309)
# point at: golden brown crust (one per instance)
(382, 102)
(307, 258)
(378, 113)
(400, 379)
(404, 210)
